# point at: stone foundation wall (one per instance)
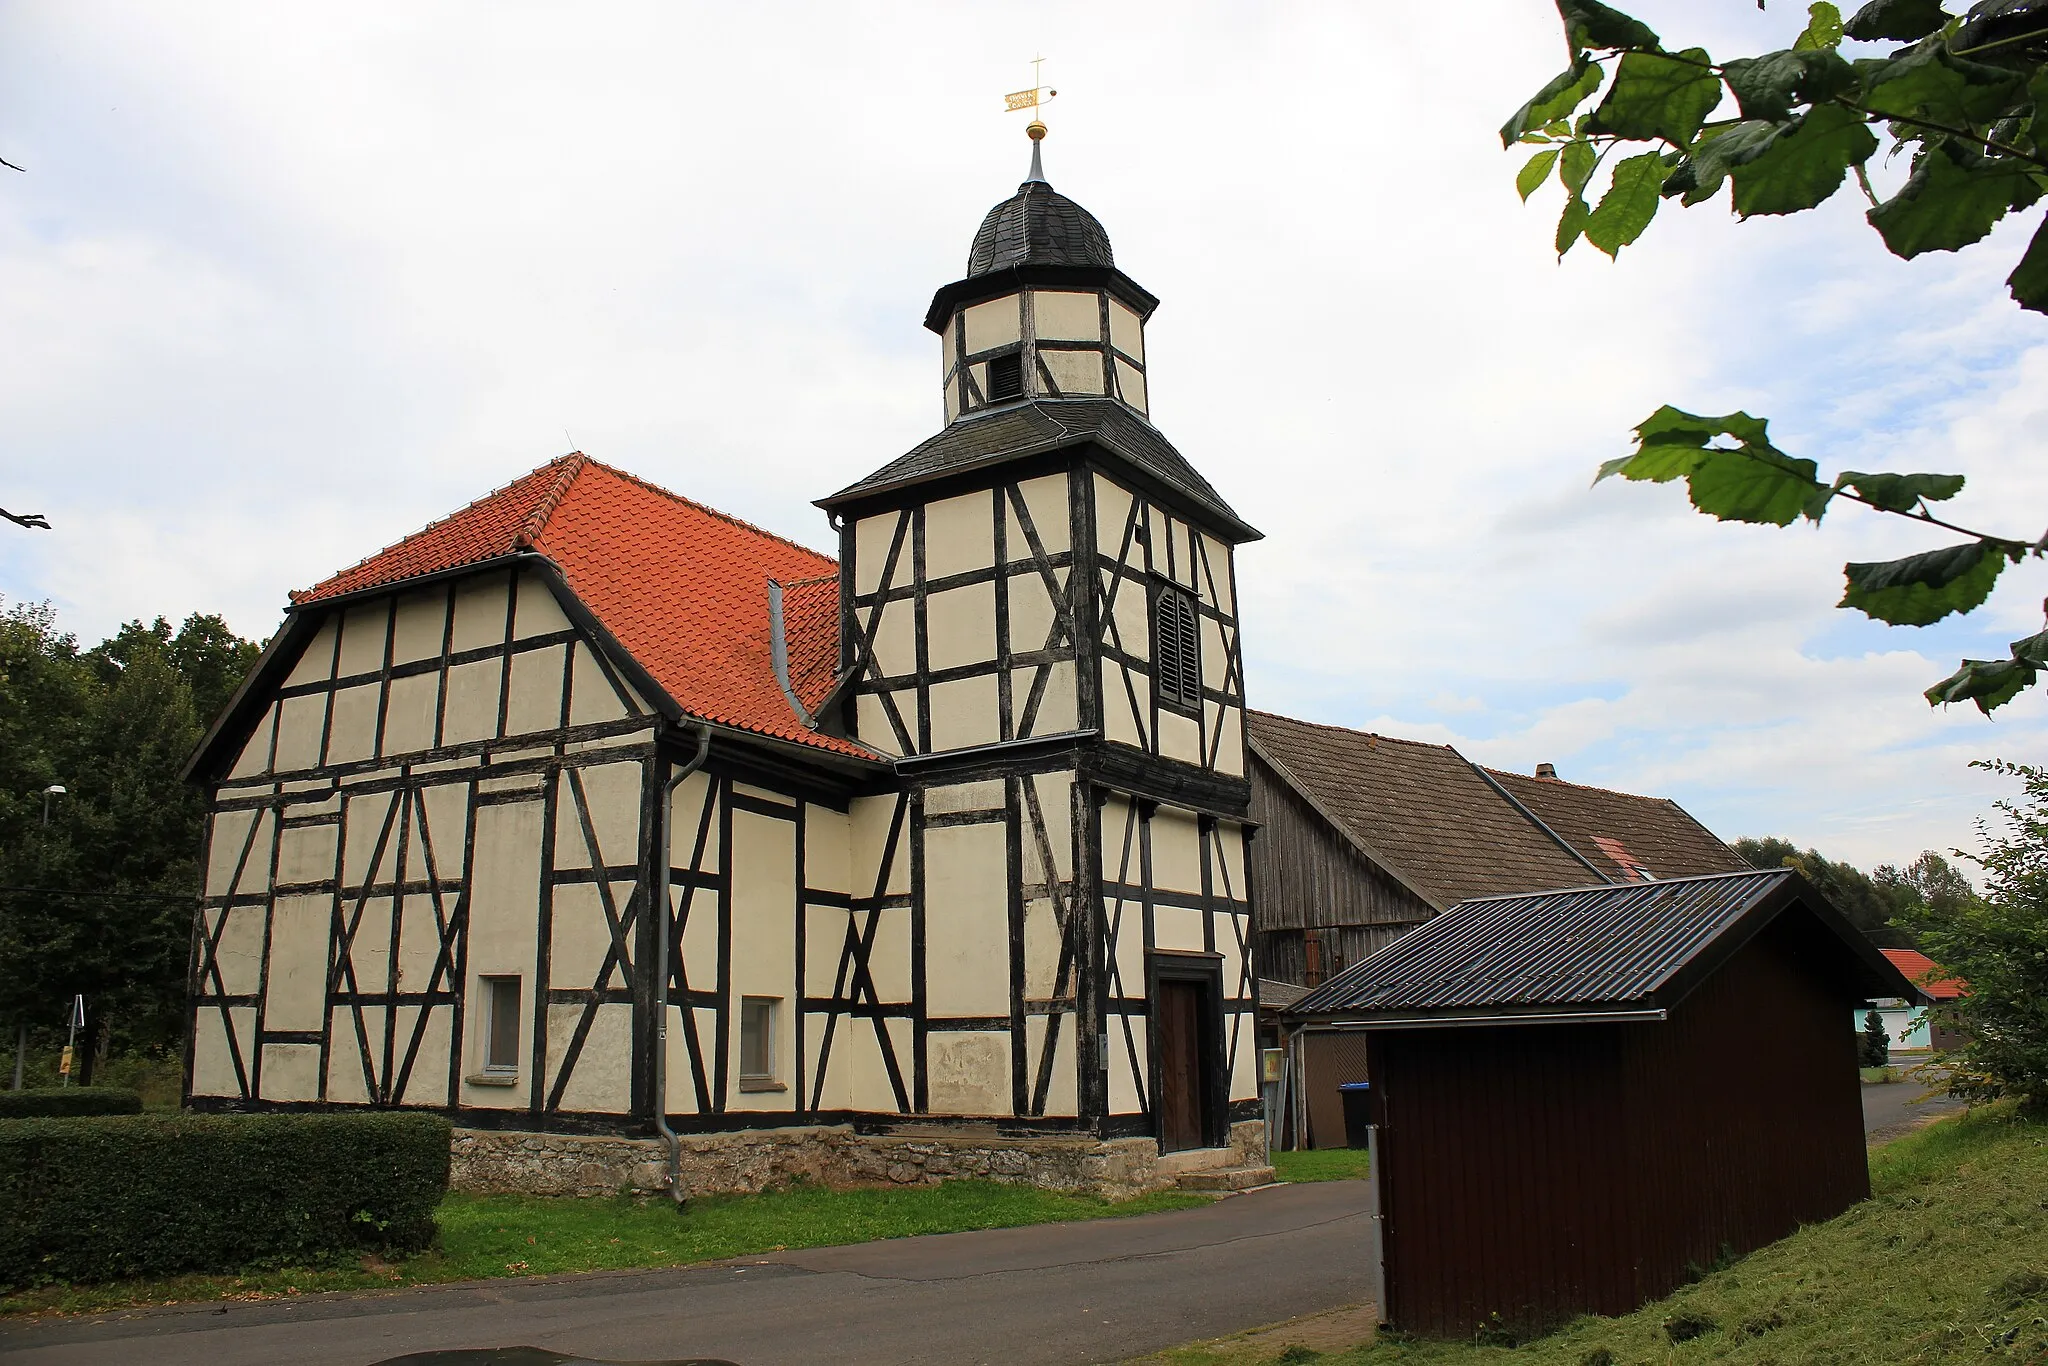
(749, 1160)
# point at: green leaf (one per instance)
(1565, 93)
(2033, 650)
(1655, 96)
(2029, 280)
(1903, 20)
(1571, 223)
(1534, 172)
(1901, 492)
(1803, 163)
(1926, 82)
(1990, 683)
(1750, 485)
(1588, 23)
(1921, 589)
(1700, 175)
(1823, 28)
(1579, 161)
(1768, 87)
(1945, 205)
(1752, 482)
(1629, 204)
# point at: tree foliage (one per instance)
(1875, 1045)
(1885, 903)
(117, 863)
(1965, 99)
(1998, 946)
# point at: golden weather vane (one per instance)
(1034, 98)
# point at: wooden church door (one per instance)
(1183, 1080)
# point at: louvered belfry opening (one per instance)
(1177, 652)
(1006, 377)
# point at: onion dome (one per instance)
(1038, 226)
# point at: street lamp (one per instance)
(21, 1037)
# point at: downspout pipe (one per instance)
(663, 925)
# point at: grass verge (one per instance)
(1322, 1164)
(485, 1236)
(1948, 1260)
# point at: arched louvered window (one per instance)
(1176, 649)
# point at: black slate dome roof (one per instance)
(1038, 227)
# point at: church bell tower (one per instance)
(1039, 615)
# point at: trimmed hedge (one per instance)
(95, 1199)
(46, 1101)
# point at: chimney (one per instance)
(1546, 770)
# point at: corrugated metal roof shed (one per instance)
(1589, 950)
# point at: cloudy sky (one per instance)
(283, 283)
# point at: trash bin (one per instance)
(1357, 1096)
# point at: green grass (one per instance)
(1947, 1261)
(1877, 1075)
(1321, 1164)
(485, 1236)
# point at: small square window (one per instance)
(757, 1039)
(501, 1024)
(1006, 377)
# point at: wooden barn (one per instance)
(593, 813)
(1364, 837)
(1558, 1128)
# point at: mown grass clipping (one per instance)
(109, 1197)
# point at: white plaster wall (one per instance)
(960, 627)
(1045, 498)
(1064, 315)
(479, 611)
(963, 713)
(1126, 331)
(764, 945)
(503, 931)
(1130, 384)
(299, 940)
(537, 613)
(1075, 372)
(998, 322)
(968, 1073)
(959, 534)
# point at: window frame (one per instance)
(771, 1080)
(490, 1070)
(1167, 685)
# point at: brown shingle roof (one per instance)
(1434, 820)
(1612, 828)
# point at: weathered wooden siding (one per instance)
(1543, 1171)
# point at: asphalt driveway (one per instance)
(1056, 1293)
(1899, 1107)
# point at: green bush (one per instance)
(94, 1199)
(45, 1102)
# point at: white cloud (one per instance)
(287, 285)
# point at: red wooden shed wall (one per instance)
(1541, 1171)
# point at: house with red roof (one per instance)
(654, 848)
(1907, 1021)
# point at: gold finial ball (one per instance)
(1035, 131)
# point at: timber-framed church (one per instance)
(591, 814)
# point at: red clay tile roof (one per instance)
(1653, 833)
(1923, 973)
(683, 587)
(810, 628)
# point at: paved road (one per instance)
(1893, 1109)
(1058, 1293)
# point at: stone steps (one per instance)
(1225, 1179)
